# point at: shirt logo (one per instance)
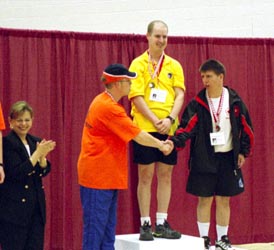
(236, 111)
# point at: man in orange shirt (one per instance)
(2, 127)
(102, 163)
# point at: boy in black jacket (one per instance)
(218, 124)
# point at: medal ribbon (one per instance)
(216, 115)
(158, 67)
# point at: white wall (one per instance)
(215, 18)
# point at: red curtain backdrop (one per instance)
(58, 73)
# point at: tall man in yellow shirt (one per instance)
(157, 96)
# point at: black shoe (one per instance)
(165, 231)
(223, 243)
(207, 242)
(145, 232)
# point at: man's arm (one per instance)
(148, 140)
(163, 126)
(142, 107)
(178, 102)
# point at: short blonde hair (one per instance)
(151, 25)
(19, 108)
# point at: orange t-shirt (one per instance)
(2, 121)
(103, 160)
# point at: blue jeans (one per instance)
(99, 218)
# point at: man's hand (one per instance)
(167, 147)
(241, 160)
(2, 174)
(163, 126)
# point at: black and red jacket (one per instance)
(196, 124)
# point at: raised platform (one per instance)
(132, 242)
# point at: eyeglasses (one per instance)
(125, 80)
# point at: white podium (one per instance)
(132, 242)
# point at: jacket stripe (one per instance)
(190, 125)
(248, 131)
(200, 101)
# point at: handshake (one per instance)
(166, 147)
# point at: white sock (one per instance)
(203, 228)
(160, 218)
(145, 219)
(221, 230)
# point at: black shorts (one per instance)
(147, 155)
(226, 182)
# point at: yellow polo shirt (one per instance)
(171, 75)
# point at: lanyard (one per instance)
(216, 114)
(110, 95)
(158, 67)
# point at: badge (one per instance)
(158, 95)
(217, 138)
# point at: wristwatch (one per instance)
(171, 119)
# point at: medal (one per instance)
(157, 68)
(151, 85)
(218, 128)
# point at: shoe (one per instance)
(207, 242)
(165, 231)
(145, 232)
(223, 243)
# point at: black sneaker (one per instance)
(223, 243)
(165, 231)
(207, 242)
(145, 232)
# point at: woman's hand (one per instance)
(42, 149)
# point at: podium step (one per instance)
(132, 242)
(233, 248)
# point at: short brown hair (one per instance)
(214, 65)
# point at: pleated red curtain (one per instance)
(58, 73)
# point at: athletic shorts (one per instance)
(147, 155)
(226, 182)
